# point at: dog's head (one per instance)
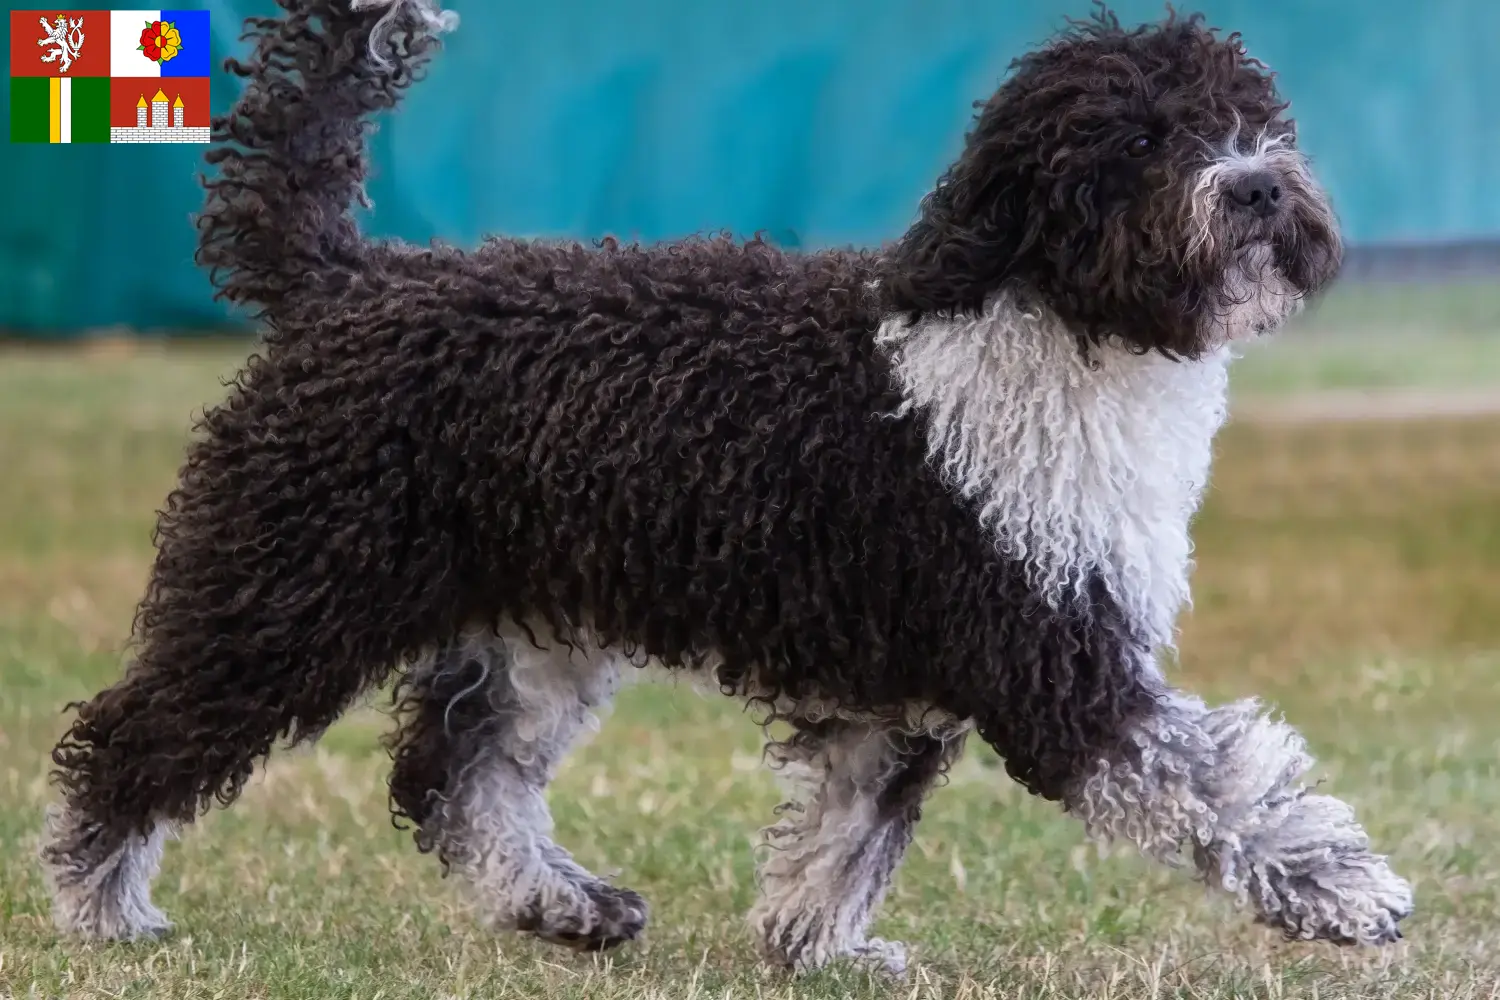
(1143, 184)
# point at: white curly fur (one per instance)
(496, 831)
(108, 899)
(1080, 466)
(826, 864)
(1226, 782)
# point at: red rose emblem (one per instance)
(160, 41)
(151, 41)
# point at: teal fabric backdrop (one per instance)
(818, 122)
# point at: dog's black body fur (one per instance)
(693, 451)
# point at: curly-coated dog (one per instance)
(889, 496)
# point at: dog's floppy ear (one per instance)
(968, 237)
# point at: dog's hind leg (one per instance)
(1226, 781)
(239, 647)
(486, 723)
(857, 791)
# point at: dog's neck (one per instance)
(1083, 467)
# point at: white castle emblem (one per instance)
(165, 125)
(66, 38)
(159, 112)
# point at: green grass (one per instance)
(1441, 337)
(1350, 574)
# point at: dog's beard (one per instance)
(1262, 270)
(1254, 297)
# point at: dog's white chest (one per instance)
(1081, 470)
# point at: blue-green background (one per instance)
(817, 122)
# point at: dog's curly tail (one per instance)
(277, 220)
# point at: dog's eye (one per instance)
(1140, 145)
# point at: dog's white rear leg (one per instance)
(857, 791)
(488, 722)
(1226, 781)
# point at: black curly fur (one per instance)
(277, 224)
(687, 448)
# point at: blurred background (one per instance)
(815, 123)
(1348, 553)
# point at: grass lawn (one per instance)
(1349, 573)
(1383, 338)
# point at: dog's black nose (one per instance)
(1257, 192)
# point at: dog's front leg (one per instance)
(1227, 781)
(857, 791)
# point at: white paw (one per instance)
(105, 920)
(884, 957)
(1315, 878)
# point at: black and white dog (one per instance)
(891, 496)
